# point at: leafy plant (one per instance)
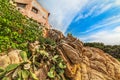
(16, 32)
(57, 68)
(23, 55)
(51, 73)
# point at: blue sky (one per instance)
(88, 20)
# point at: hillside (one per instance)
(21, 56)
(25, 54)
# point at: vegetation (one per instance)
(17, 32)
(113, 50)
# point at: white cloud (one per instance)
(117, 29)
(117, 2)
(103, 8)
(95, 8)
(104, 23)
(62, 12)
(81, 16)
(108, 37)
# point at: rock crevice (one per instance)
(86, 63)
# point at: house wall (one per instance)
(41, 16)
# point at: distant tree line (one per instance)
(113, 50)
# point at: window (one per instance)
(34, 10)
(21, 5)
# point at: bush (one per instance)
(16, 30)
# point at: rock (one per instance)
(34, 46)
(70, 53)
(12, 57)
(82, 63)
(4, 61)
(87, 63)
(55, 35)
(42, 73)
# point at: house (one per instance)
(34, 10)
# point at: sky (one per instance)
(88, 20)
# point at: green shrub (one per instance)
(16, 30)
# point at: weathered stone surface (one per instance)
(86, 63)
(4, 61)
(10, 58)
(42, 73)
(54, 34)
(34, 46)
(13, 57)
(83, 63)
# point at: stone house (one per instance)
(34, 10)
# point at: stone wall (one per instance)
(41, 14)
